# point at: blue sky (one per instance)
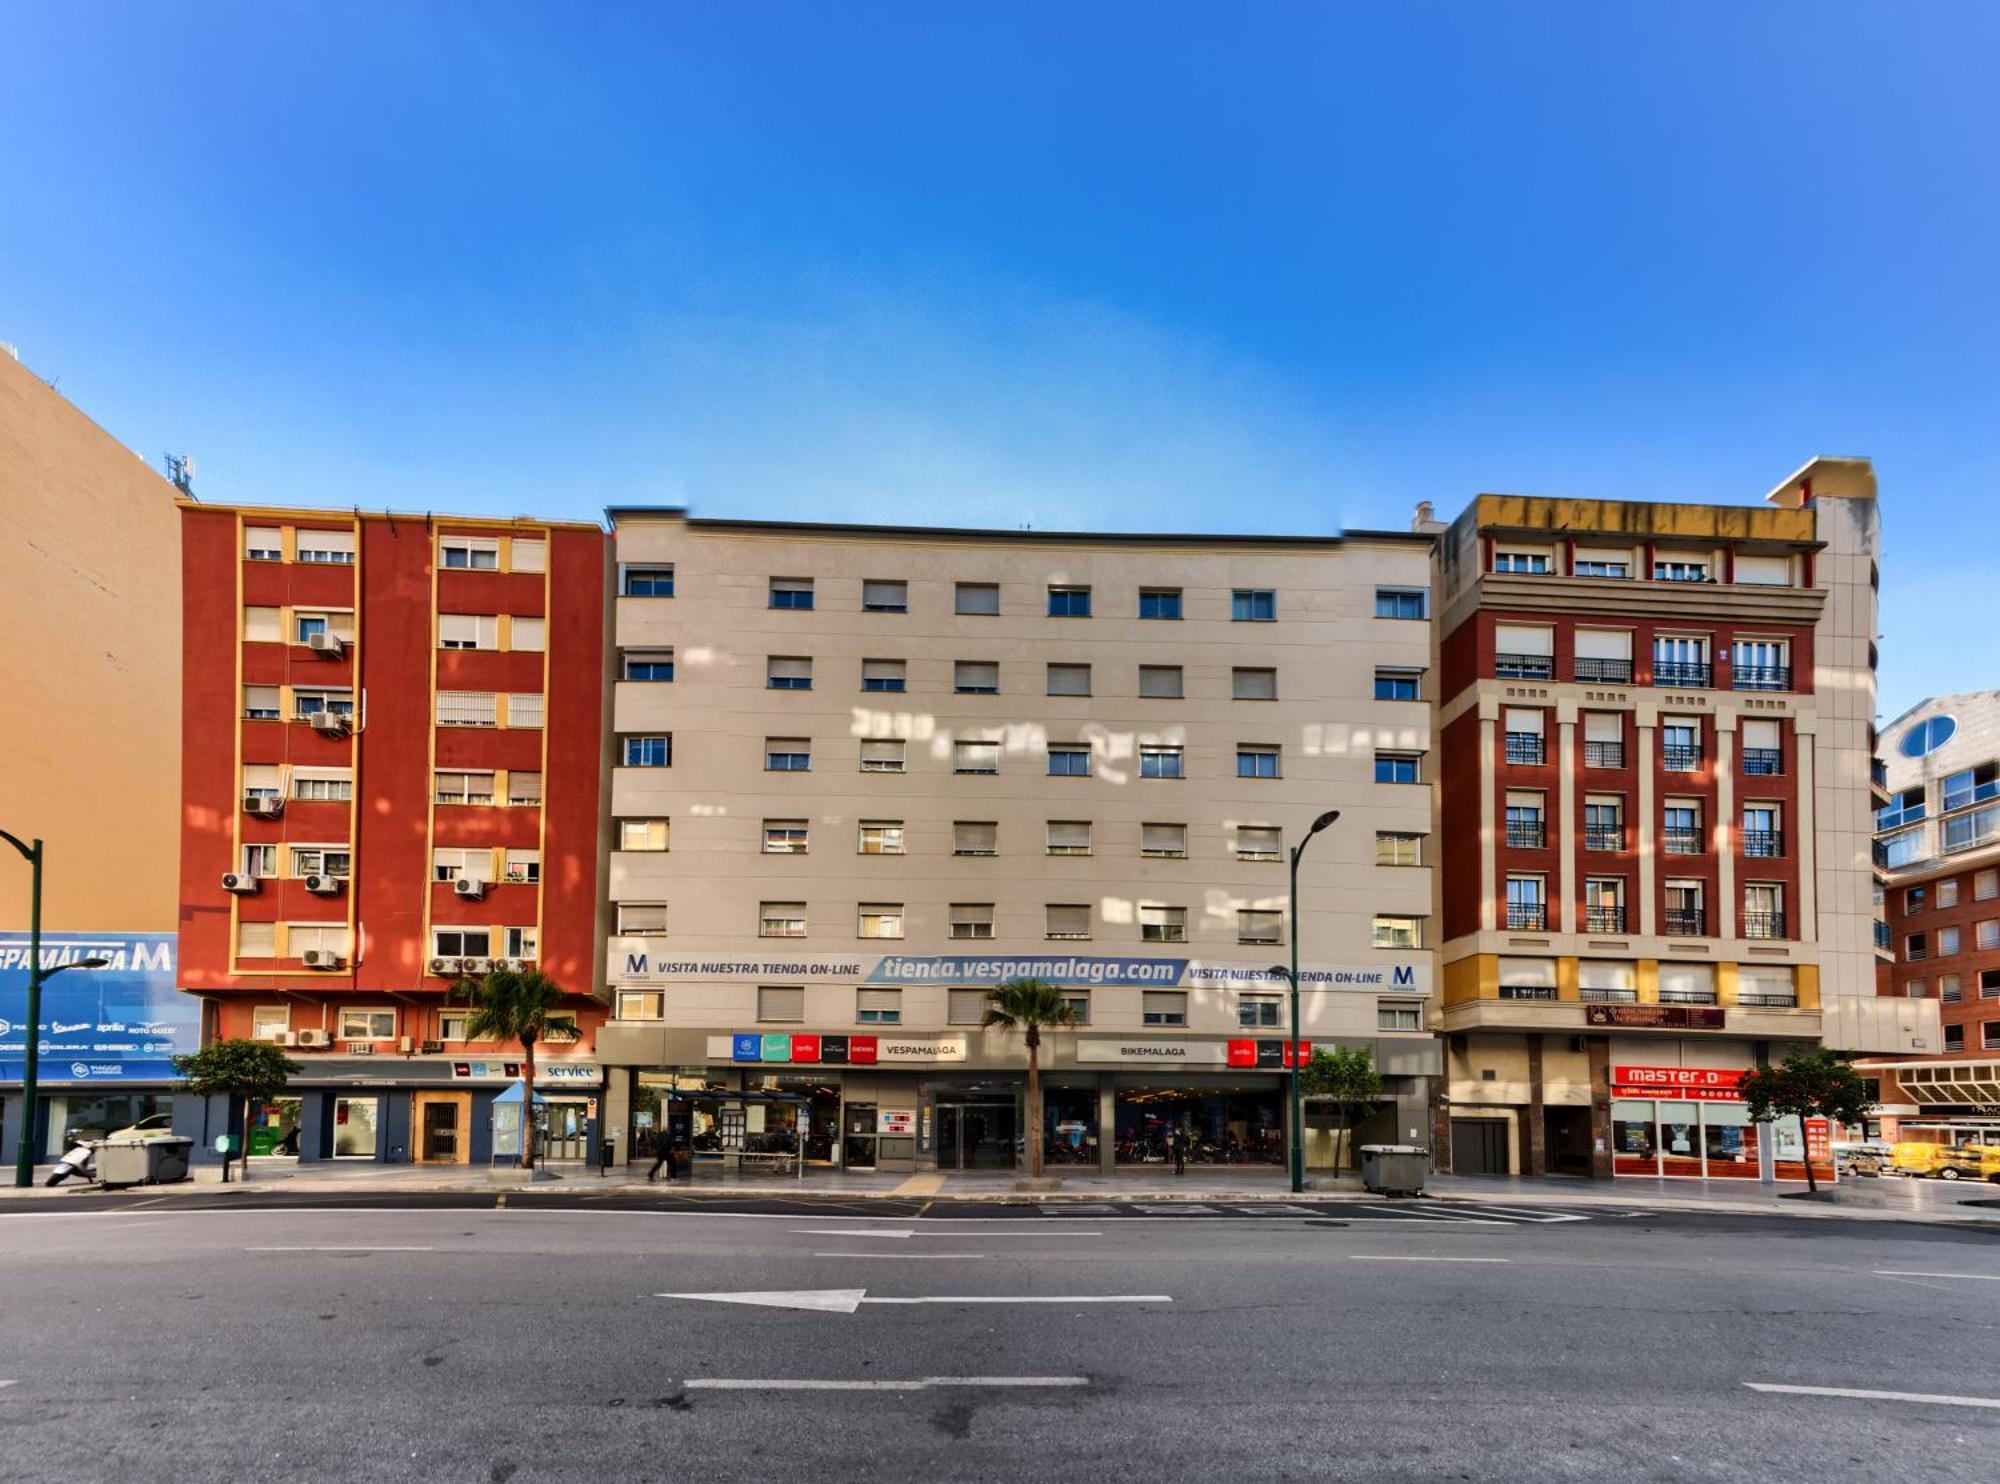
(1132, 266)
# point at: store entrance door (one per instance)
(441, 1133)
(977, 1136)
(568, 1129)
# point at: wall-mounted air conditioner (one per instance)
(331, 646)
(240, 882)
(321, 958)
(264, 806)
(317, 1038)
(469, 886)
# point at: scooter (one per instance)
(80, 1159)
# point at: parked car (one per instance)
(1918, 1160)
(1971, 1162)
(157, 1126)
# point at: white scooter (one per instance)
(80, 1159)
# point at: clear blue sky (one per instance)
(1145, 266)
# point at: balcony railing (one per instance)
(1686, 922)
(1878, 773)
(1765, 760)
(1604, 837)
(1524, 666)
(1524, 747)
(1768, 1001)
(1604, 754)
(1604, 672)
(1680, 759)
(1527, 992)
(1687, 997)
(1608, 996)
(1766, 844)
(1883, 940)
(1683, 674)
(1681, 842)
(1760, 677)
(1763, 924)
(1524, 836)
(1604, 919)
(1530, 917)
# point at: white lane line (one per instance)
(839, 1231)
(976, 1236)
(989, 1236)
(1402, 1257)
(9, 1383)
(340, 1249)
(925, 1383)
(906, 1256)
(1914, 1273)
(847, 1300)
(1852, 1393)
(1434, 1218)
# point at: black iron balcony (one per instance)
(1686, 922)
(1767, 1001)
(1525, 835)
(1683, 674)
(1608, 996)
(1530, 917)
(1604, 837)
(1604, 919)
(1677, 841)
(1687, 997)
(1760, 677)
(1524, 666)
(1679, 759)
(1764, 843)
(1766, 760)
(1763, 924)
(1883, 940)
(1604, 672)
(1604, 754)
(1524, 747)
(1527, 992)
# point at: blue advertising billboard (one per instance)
(122, 1023)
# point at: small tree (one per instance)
(1807, 1084)
(248, 1071)
(1349, 1080)
(513, 1006)
(1030, 1005)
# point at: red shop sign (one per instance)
(1700, 1084)
(805, 1048)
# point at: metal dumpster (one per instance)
(158, 1161)
(1394, 1169)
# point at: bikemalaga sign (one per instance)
(124, 1022)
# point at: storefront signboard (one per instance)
(1267, 1054)
(899, 1121)
(823, 1050)
(568, 1073)
(1160, 1053)
(1656, 1017)
(1959, 1110)
(121, 1023)
(1687, 1084)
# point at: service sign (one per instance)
(121, 1023)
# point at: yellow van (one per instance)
(1918, 1159)
(1970, 1162)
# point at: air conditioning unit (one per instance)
(446, 968)
(314, 1038)
(332, 723)
(476, 965)
(406, 1045)
(321, 958)
(324, 886)
(289, 1038)
(330, 645)
(432, 1048)
(468, 886)
(264, 806)
(515, 964)
(241, 882)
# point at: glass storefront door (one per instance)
(1216, 1125)
(274, 1127)
(1729, 1139)
(858, 1142)
(1635, 1145)
(354, 1124)
(566, 1124)
(978, 1135)
(1069, 1125)
(1680, 1139)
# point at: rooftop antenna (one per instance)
(180, 470)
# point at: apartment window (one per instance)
(1398, 848)
(884, 675)
(1970, 786)
(1601, 566)
(1962, 831)
(1604, 656)
(1685, 915)
(260, 702)
(975, 837)
(1402, 602)
(1163, 1007)
(468, 631)
(529, 554)
(256, 940)
(787, 755)
(1914, 898)
(1954, 1038)
(1527, 906)
(971, 919)
(881, 837)
(260, 860)
(1947, 942)
(648, 665)
(1949, 988)
(1253, 605)
(1160, 762)
(966, 1006)
(1914, 990)
(1162, 924)
(788, 672)
(461, 942)
(1521, 561)
(263, 544)
(1524, 652)
(781, 1004)
(638, 1004)
(1762, 835)
(1256, 760)
(979, 599)
(524, 789)
(1159, 602)
(1681, 661)
(1067, 920)
(525, 710)
(1763, 571)
(1259, 842)
(1160, 682)
(1604, 904)
(1398, 1017)
(655, 750)
(784, 837)
(1681, 825)
(328, 548)
(1259, 925)
(260, 625)
(1680, 569)
(268, 1022)
(1989, 1035)
(1078, 1002)
(1396, 767)
(529, 635)
(975, 757)
(321, 860)
(646, 582)
(882, 755)
(470, 553)
(975, 677)
(1069, 680)
(1989, 984)
(1069, 837)
(643, 834)
(1903, 808)
(1391, 931)
(306, 626)
(792, 592)
(327, 787)
(467, 708)
(307, 704)
(1393, 684)
(522, 943)
(878, 1006)
(1163, 841)
(467, 788)
(1915, 949)
(1069, 760)
(1947, 894)
(642, 919)
(781, 919)
(367, 1025)
(885, 596)
(1521, 739)
(879, 920)
(1524, 821)
(1069, 602)
(1680, 746)
(1763, 910)
(1762, 746)
(1603, 823)
(1603, 739)
(1985, 886)
(1252, 684)
(1259, 1012)
(1760, 664)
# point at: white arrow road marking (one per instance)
(1854, 1393)
(847, 1300)
(906, 1256)
(1074, 1298)
(1911, 1273)
(1398, 1257)
(340, 1249)
(925, 1383)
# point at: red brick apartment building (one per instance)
(392, 766)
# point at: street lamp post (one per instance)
(31, 1048)
(1298, 1139)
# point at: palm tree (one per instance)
(512, 1006)
(1028, 1005)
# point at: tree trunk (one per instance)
(1805, 1154)
(528, 1103)
(244, 1172)
(1034, 1106)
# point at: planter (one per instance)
(1042, 1186)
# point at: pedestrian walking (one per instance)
(1177, 1142)
(663, 1154)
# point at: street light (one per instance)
(31, 1047)
(1291, 976)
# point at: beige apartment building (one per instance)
(864, 774)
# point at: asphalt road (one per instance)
(1480, 1342)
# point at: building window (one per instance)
(1398, 685)
(1398, 848)
(1067, 920)
(1604, 904)
(1680, 746)
(467, 708)
(1681, 829)
(1259, 1012)
(1396, 767)
(1163, 841)
(1989, 984)
(1162, 924)
(527, 635)
(521, 944)
(787, 755)
(1524, 652)
(1985, 885)
(1760, 664)
(1963, 831)
(781, 920)
(1762, 747)
(1681, 662)
(648, 664)
(470, 553)
(792, 592)
(1524, 821)
(1595, 566)
(882, 755)
(1685, 915)
(260, 860)
(1915, 948)
(1986, 935)
(1521, 740)
(263, 544)
(885, 596)
(785, 837)
(367, 1025)
(788, 672)
(468, 631)
(878, 1006)
(260, 625)
(1259, 925)
(302, 938)
(323, 860)
(1527, 908)
(1680, 569)
(1902, 849)
(529, 554)
(977, 599)
(1250, 684)
(327, 548)
(1954, 1038)
(966, 1006)
(1763, 910)
(1914, 990)
(461, 942)
(324, 788)
(646, 582)
(889, 676)
(879, 920)
(1160, 683)
(466, 788)
(1259, 842)
(1903, 808)
(1390, 931)
(1947, 942)
(1163, 1007)
(1253, 605)
(1256, 760)
(975, 757)
(1947, 894)
(524, 789)
(524, 710)
(1159, 602)
(642, 919)
(1536, 562)
(975, 677)
(1970, 786)
(881, 837)
(268, 1022)
(781, 1004)
(1603, 739)
(1069, 760)
(651, 751)
(1604, 824)
(1069, 837)
(261, 703)
(642, 834)
(1762, 836)
(1160, 762)
(1068, 680)
(971, 919)
(306, 704)
(1402, 602)
(1068, 602)
(975, 837)
(633, 1004)
(1398, 1017)
(1989, 1035)
(256, 940)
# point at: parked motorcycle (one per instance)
(79, 1159)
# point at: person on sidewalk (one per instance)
(1177, 1147)
(663, 1154)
